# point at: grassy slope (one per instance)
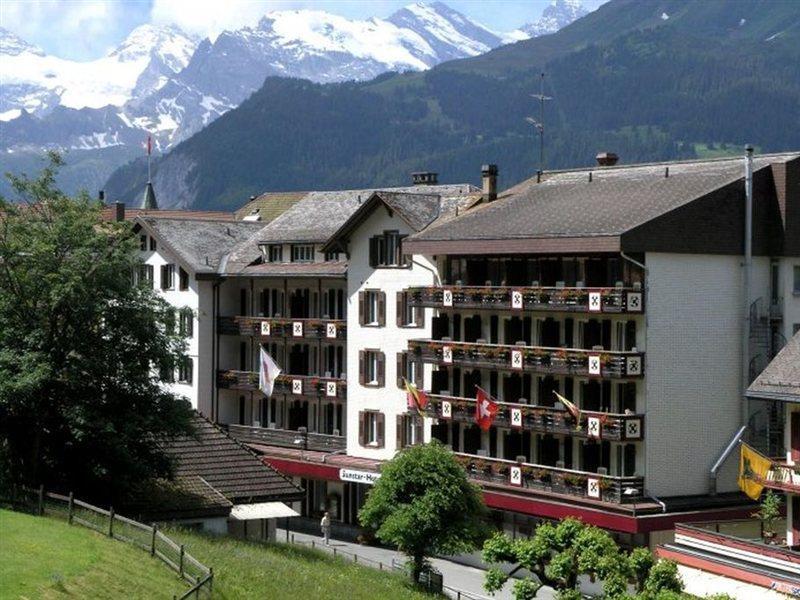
(253, 570)
(47, 558)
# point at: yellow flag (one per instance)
(753, 469)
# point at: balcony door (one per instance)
(298, 414)
(596, 455)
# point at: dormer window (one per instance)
(302, 253)
(273, 253)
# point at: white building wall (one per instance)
(789, 298)
(693, 367)
(390, 339)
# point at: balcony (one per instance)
(286, 438)
(783, 477)
(274, 328)
(556, 299)
(297, 385)
(527, 476)
(532, 359)
(541, 419)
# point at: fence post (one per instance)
(153, 541)
(41, 500)
(355, 558)
(111, 522)
(180, 566)
(71, 507)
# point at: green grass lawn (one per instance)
(244, 570)
(46, 558)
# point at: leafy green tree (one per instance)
(424, 505)
(769, 511)
(80, 346)
(558, 554)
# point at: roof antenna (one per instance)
(539, 125)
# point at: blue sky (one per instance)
(87, 29)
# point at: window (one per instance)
(143, 275)
(183, 279)
(796, 288)
(167, 277)
(409, 369)
(408, 315)
(372, 308)
(331, 256)
(371, 368)
(371, 428)
(152, 244)
(169, 321)
(143, 242)
(186, 324)
(166, 373)
(303, 253)
(185, 369)
(409, 430)
(386, 250)
(275, 253)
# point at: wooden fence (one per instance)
(107, 522)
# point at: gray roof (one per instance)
(334, 269)
(148, 201)
(202, 245)
(781, 379)
(319, 215)
(613, 201)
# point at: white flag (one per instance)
(267, 373)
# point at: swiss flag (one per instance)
(485, 409)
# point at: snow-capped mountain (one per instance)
(36, 82)
(558, 14)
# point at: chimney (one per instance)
(489, 180)
(607, 159)
(101, 195)
(119, 211)
(424, 178)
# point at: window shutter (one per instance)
(164, 277)
(400, 316)
(419, 316)
(381, 368)
(362, 366)
(418, 430)
(362, 430)
(400, 440)
(418, 372)
(373, 251)
(401, 371)
(189, 323)
(360, 308)
(381, 308)
(380, 419)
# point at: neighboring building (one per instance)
(220, 486)
(732, 557)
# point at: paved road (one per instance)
(456, 576)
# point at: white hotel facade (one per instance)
(620, 287)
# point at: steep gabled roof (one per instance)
(228, 467)
(201, 244)
(781, 379)
(269, 205)
(604, 208)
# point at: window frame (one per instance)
(274, 253)
(388, 246)
(186, 370)
(371, 429)
(302, 253)
(186, 323)
(167, 275)
(372, 368)
(153, 244)
(415, 319)
(183, 279)
(372, 308)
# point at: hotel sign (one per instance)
(365, 477)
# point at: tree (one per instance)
(80, 347)
(558, 554)
(424, 505)
(768, 512)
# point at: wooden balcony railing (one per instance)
(298, 385)
(273, 328)
(572, 299)
(593, 486)
(597, 425)
(783, 477)
(536, 359)
(288, 439)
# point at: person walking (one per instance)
(325, 525)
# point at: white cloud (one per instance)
(210, 17)
(81, 29)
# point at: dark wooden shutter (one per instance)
(418, 429)
(373, 251)
(401, 369)
(381, 426)
(400, 316)
(381, 308)
(164, 284)
(401, 442)
(419, 316)
(362, 366)
(360, 308)
(381, 369)
(362, 429)
(418, 373)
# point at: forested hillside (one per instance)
(648, 80)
